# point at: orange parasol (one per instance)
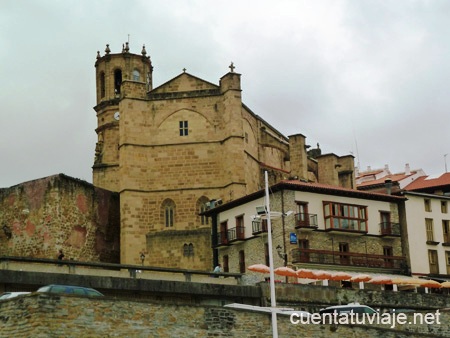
(416, 281)
(320, 274)
(305, 273)
(445, 284)
(401, 281)
(431, 284)
(259, 268)
(340, 276)
(361, 278)
(285, 271)
(381, 280)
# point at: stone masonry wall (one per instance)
(41, 315)
(58, 212)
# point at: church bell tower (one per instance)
(112, 71)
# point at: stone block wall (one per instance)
(168, 249)
(58, 212)
(39, 315)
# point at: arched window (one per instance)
(136, 75)
(169, 216)
(168, 210)
(117, 81)
(201, 207)
(102, 85)
(188, 250)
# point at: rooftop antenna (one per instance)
(445, 161)
(128, 38)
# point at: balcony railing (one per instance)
(314, 256)
(303, 220)
(236, 234)
(231, 235)
(222, 238)
(259, 227)
(389, 229)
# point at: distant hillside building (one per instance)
(170, 150)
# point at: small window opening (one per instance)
(117, 81)
(102, 85)
(136, 75)
(183, 128)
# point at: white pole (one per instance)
(273, 302)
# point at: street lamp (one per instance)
(273, 302)
(263, 212)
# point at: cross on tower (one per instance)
(232, 67)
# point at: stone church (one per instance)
(170, 152)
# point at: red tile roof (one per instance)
(332, 189)
(308, 187)
(425, 182)
(393, 177)
(369, 173)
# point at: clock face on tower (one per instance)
(117, 115)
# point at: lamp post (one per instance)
(273, 302)
(263, 212)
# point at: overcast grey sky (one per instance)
(369, 78)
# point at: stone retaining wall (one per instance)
(42, 315)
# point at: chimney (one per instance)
(407, 169)
(388, 185)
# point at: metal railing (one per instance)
(389, 228)
(236, 234)
(303, 220)
(314, 256)
(259, 227)
(222, 238)
(102, 269)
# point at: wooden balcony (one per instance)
(355, 259)
(389, 229)
(305, 221)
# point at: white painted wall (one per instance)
(315, 206)
(417, 237)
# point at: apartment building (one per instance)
(428, 225)
(314, 226)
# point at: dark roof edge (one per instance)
(423, 194)
(307, 187)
